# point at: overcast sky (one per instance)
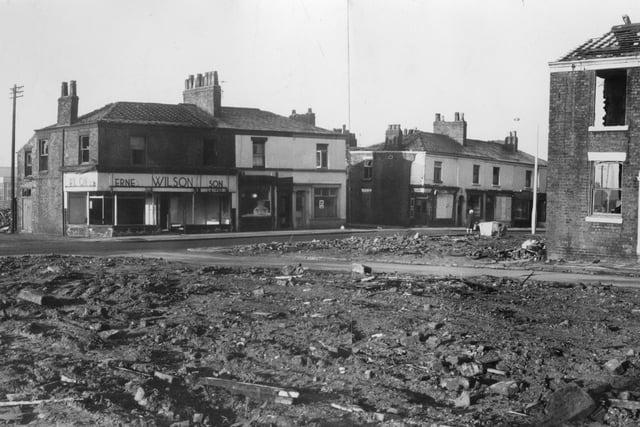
(409, 59)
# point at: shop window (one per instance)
(43, 154)
(496, 176)
(131, 209)
(325, 202)
(610, 99)
(259, 152)
(84, 149)
(322, 156)
(137, 145)
(476, 174)
(606, 188)
(77, 208)
(28, 163)
(527, 179)
(444, 206)
(209, 153)
(367, 170)
(255, 201)
(437, 172)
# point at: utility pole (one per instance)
(534, 210)
(16, 92)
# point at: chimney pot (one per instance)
(344, 128)
(72, 88)
(456, 116)
(64, 90)
(199, 80)
(626, 20)
(437, 117)
(293, 112)
(191, 81)
(515, 133)
(309, 110)
(215, 78)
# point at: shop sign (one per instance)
(207, 183)
(80, 181)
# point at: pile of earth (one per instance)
(510, 247)
(148, 342)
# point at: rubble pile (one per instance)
(414, 244)
(126, 340)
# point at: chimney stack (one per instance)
(309, 117)
(457, 129)
(68, 104)
(204, 91)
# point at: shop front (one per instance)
(432, 206)
(108, 204)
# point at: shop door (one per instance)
(284, 210)
(165, 217)
(300, 218)
(26, 215)
(422, 211)
(490, 208)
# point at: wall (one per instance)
(571, 112)
(168, 148)
(291, 152)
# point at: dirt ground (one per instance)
(98, 341)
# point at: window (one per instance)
(527, 179)
(28, 163)
(43, 152)
(606, 188)
(365, 198)
(84, 149)
(367, 170)
(437, 172)
(209, 153)
(322, 160)
(611, 91)
(325, 202)
(258, 152)
(496, 176)
(137, 144)
(255, 201)
(476, 174)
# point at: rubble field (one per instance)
(97, 341)
(410, 247)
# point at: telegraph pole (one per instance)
(16, 92)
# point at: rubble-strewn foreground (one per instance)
(105, 341)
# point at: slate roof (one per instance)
(145, 113)
(434, 143)
(620, 41)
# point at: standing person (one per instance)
(470, 221)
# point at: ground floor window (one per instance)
(474, 201)
(131, 209)
(503, 208)
(444, 206)
(521, 209)
(77, 208)
(255, 201)
(606, 188)
(325, 202)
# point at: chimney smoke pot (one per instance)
(456, 116)
(191, 81)
(199, 80)
(64, 90)
(626, 20)
(72, 88)
(215, 78)
(293, 112)
(309, 110)
(437, 117)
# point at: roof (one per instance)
(434, 143)
(620, 41)
(250, 119)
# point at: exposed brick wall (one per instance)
(391, 179)
(570, 114)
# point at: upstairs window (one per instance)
(476, 174)
(606, 188)
(43, 154)
(258, 152)
(610, 98)
(367, 170)
(209, 153)
(137, 145)
(527, 179)
(496, 176)
(322, 158)
(28, 163)
(84, 148)
(437, 172)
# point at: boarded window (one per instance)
(444, 206)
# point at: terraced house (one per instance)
(594, 147)
(198, 166)
(418, 178)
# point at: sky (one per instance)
(390, 62)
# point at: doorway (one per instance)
(300, 211)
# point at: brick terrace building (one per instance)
(594, 147)
(133, 167)
(420, 178)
